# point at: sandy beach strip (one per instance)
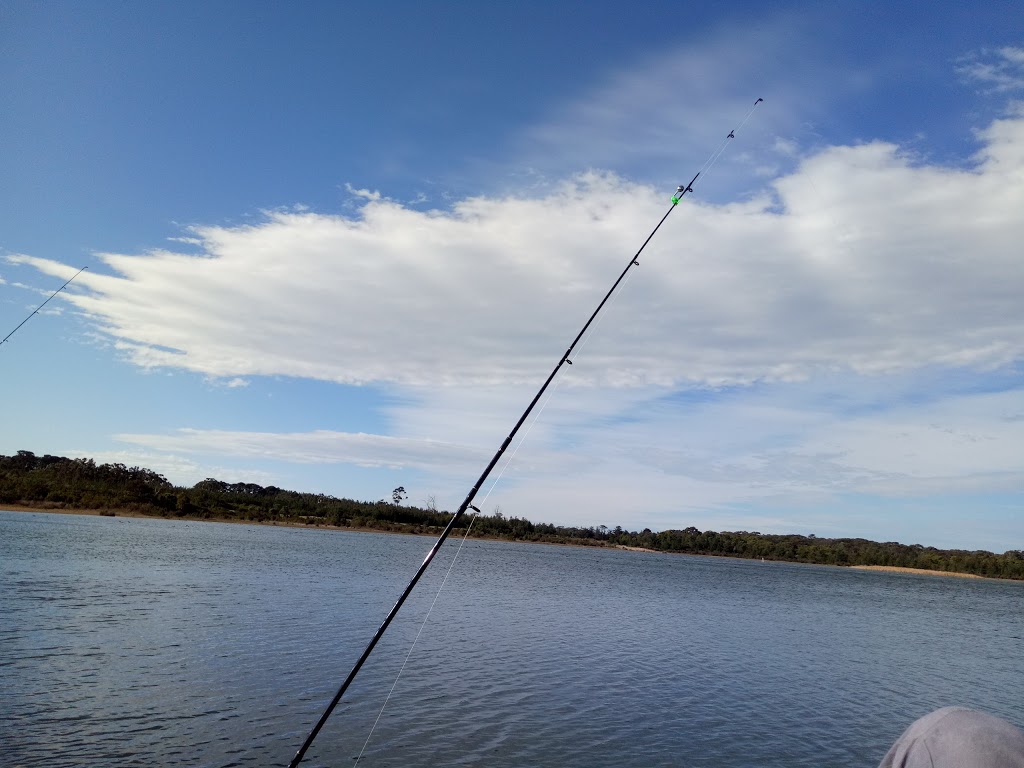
(900, 569)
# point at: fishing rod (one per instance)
(467, 503)
(36, 310)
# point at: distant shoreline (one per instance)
(106, 512)
(327, 527)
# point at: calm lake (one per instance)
(169, 643)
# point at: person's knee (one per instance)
(955, 737)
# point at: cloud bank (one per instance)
(862, 259)
(318, 447)
(718, 462)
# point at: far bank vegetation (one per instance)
(55, 482)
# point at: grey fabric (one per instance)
(954, 737)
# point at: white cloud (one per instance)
(365, 194)
(179, 470)
(861, 259)
(997, 71)
(786, 147)
(319, 447)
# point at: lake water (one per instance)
(172, 643)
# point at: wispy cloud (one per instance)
(178, 469)
(319, 447)
(661, 116)
(996, 71)
(655, 460)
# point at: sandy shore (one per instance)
(899, 569)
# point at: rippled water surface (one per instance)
(171, 643)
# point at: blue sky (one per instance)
(337, 249)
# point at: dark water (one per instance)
(168, 643)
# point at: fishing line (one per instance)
(467, 503)
(412, 647)
(597, 323)
(704, 171)
(451, 566)
(476, 513)
(710, 162)
(36, 310)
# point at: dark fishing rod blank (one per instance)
(467, 503)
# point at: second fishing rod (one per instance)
(36, 311)
(467, 503)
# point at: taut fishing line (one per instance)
(467, 503)
(451, 565)
(706, 169)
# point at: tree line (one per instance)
(57, 482)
